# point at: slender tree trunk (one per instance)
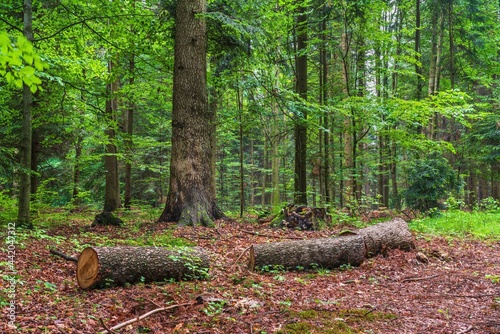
(77, 170)
(418, 65)
(23, 215)
(434, 50)
(275, 140)
(190, 199)
(112, 192)
(213, 105)
(301, 126)
(452, 46)
(129, 123)
(36, 147)
(242, 169)
(394, 179)
(265, 165)
(348, 165)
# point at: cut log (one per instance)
(100, 267)
(321, 253)
(381, 237)
(349, 249)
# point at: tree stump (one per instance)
(349, 249)
(106, 218)
(99, 267)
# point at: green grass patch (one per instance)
(478, 224)
(332, 322)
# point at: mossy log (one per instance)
(334, 252)
(100, 267)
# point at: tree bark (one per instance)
(100, 267)
(191, 200)
(321, 253)
(300, 180)
(393, 234)
(129, 143)
(333, 252)
(112, 189)
(418, 65)
(23, 214)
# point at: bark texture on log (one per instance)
(322, 253)
(106, 266)
(349, 249)
(393, 234)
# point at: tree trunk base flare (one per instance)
(106, 218)
(193, 215)
(301, 217)
(100, 267)
(329, 253)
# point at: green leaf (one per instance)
(27, 71)
(28, 59)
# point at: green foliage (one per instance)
(19, 62)
(430, 181)
(191, 262)
(455, 223)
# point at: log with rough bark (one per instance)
(321, 253)
(100, 267)
(381, 237)
(349, 249)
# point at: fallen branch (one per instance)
(144, 316)
(467, 330)
(64, 256)
(419, 278)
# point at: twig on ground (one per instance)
(64, 256)
(467, 330)
(414, 279)
(106, 327)
(144, 316)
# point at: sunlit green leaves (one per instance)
(19, 62)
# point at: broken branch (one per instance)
(64, 256)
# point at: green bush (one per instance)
(430, 181)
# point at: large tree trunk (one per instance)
(333, 252)
(100, 267)
(191, 200)
(23, 214)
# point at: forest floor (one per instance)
(457, 291)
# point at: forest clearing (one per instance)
(147, 148)
(454, 289)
